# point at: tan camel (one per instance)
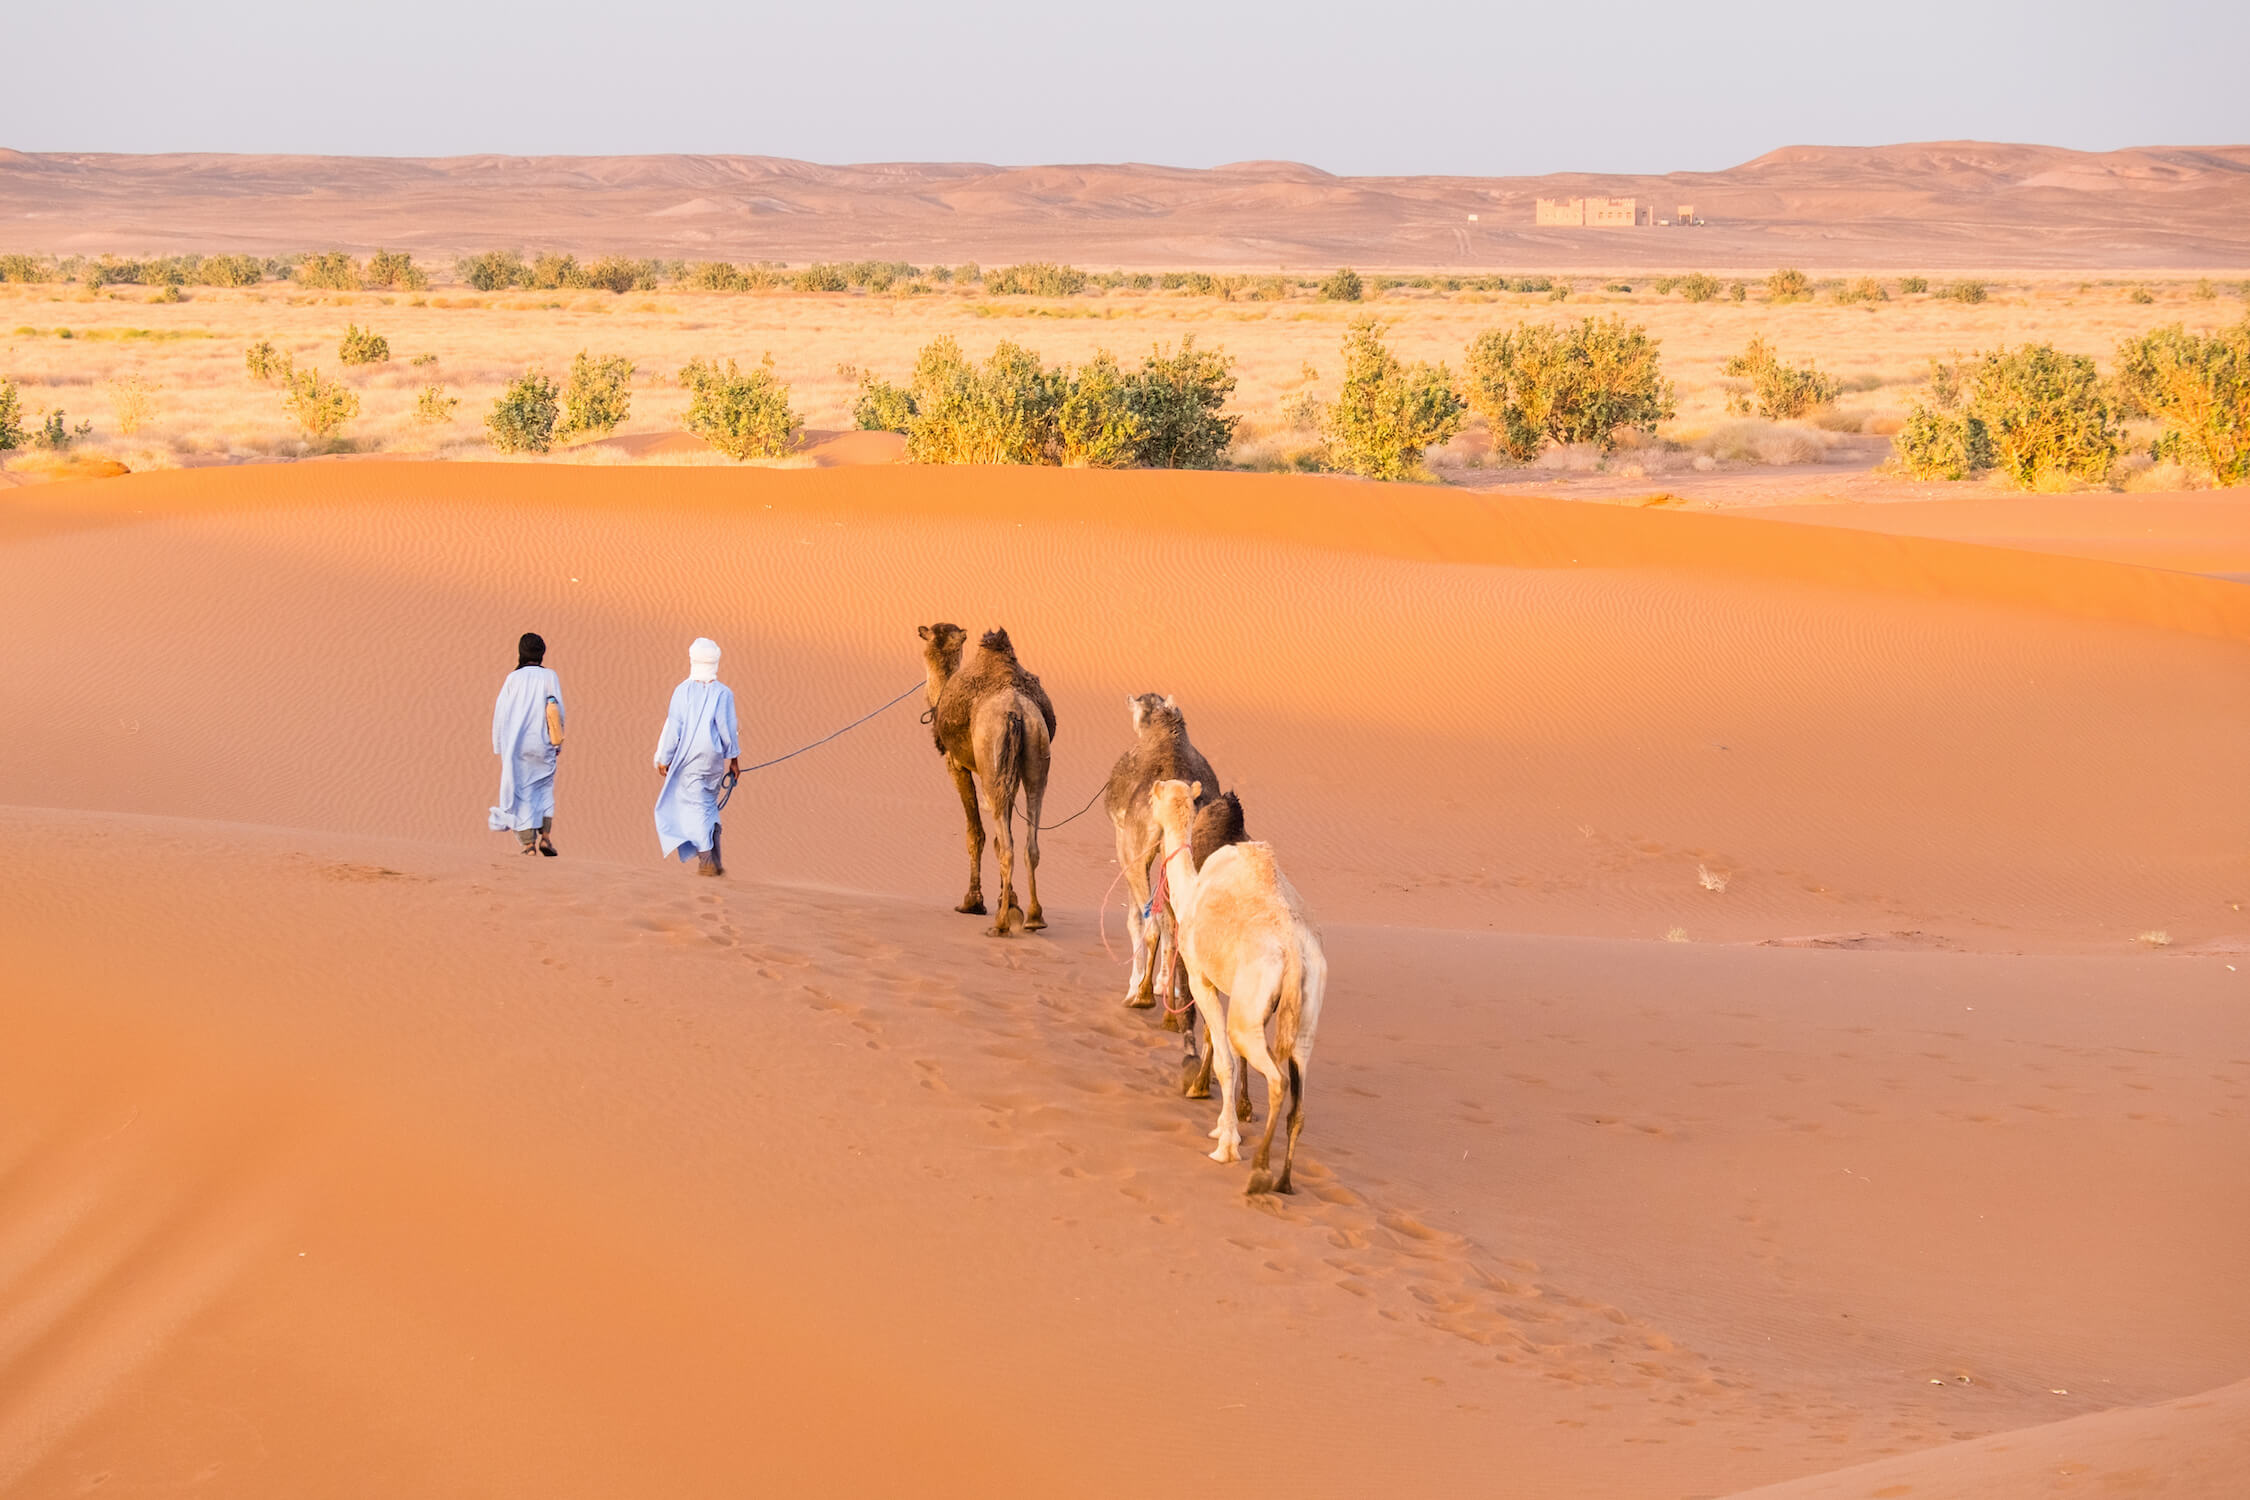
(992, 722)
(1244, 934)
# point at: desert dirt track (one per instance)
(347, 1152)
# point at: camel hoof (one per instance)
(1173, 1019)
(1036, 921)
(997, 929)
(1193, 1085)
(1139, 1002)
(1222, 1155)
(974, 908)
(1261, 1182)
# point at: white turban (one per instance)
(703, 660)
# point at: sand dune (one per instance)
(344, 1151)
(1921, 206)
(2197, 1445)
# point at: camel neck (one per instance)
(1179, 870)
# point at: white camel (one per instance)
(1243, 931)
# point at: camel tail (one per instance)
(1290, 1012)
(1011, 767)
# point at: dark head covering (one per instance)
(531, 650)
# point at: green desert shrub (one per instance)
(2048, 413)
(2198, 386)
(1866, 289)
(1559, 292)
(433, 407)
(2033, 413)
(26, 268)
(331, 270)
(822, 277)
(2141, 295)
(1036, 279)
(56, 433)
(1788, 285)
(1387, 413)
(11, 416)
(1913, 286)
(493, 271)
(597, 397)
(882, 406)
(393, 271)
(999, 412)
(1933, 443)
(1536, 384)
(230, 270)
(716, 276)
(1697, 287)
(363, 346)
(319, 405)
(620, 274)
(1179, 400)
(742, 413)
(523, 416)
(1778, 392)
(1342, 285)
(264, 362)
(2205, 290)
(1095, 426)
(1966, 291)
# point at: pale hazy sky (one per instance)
(1446, 86)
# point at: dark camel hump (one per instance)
(991, 669)
(1218, 823)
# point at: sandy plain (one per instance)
(81, 351)
(1789, 1025)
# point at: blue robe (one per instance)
(527, 759)
(700, 737)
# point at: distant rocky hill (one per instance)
(1942, 206)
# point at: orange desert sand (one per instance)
(345, 1152)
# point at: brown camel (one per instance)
(992, 722)
(1252, 954)
(1160, 751)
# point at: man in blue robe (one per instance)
(700, 746)
(527, 735)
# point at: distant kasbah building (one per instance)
(1605, 213)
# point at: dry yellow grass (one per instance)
(198, 405)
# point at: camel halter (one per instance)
(1158, 897)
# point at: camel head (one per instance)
(941, 651)
(1173, 803)
(1157, 711)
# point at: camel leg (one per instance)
(1004, 847)
(1249, 1037)
(1033, 918)
(1168, 958)
(1299, 1063)
(966, 785)
(1140, 993)
(1196, 1084)
(1297, 1066)
(1242, 1100)
(1215, 1026)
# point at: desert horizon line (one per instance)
(1239, 164)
